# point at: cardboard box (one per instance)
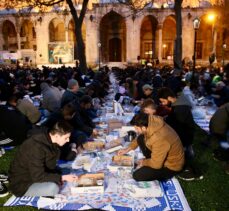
(114, 149)
(125, 162)
(114, 124)
(93, 145)
(122, 160)
(89, 183)
(113, 143)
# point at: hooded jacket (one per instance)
(14, 124)
(219, 123)
(34, 162)
(69, 97)
(181, 120)
(51, 97)
(164, 144)
(29, 110)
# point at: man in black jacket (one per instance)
(219, 128)
(181, 120)
(13, 124)
(33, 171)
(74, 116)
(70, 94)
(180, 117)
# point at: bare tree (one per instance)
(77, 18)
(178, 42)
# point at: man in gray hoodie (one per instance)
(51, 97)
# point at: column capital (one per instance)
(159, 26)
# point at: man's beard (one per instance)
(169, 104)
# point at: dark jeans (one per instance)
(146, 173)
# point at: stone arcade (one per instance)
(112, 34)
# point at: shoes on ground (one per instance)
(189, 174)
(221, 154)
(227, 168)
(3, 190)
(2, 151)
(4, 178)
(189, 152)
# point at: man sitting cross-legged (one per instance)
(33, 171)
(161, 146)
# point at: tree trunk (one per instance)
(81, 50)
(178, 42)
(78, 32)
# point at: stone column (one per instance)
(132, 39)
(42, 40)
(188, 39)
(214, 39)
(2, 41)
(66, 34)
(92, 39)
(18, 40)
(214, 43)
(129, 40)
(18, 27)
(159, 28)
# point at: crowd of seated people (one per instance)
(172, 95)
(53, 89)
(68, 95)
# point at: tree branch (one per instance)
(73, 11)
(83, 11)
(28, 3)
(48, 3)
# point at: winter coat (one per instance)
(189, 95)
(29, 110)
(219, 123)
(34, 162)
(164, 144)
(14, 124)
(181, 120)
(51, 97)
(68, 97)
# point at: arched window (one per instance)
(56, 31)
(9, 36)
(113, 38)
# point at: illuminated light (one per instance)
(165, 5)
(156, 5)
(211, 17)
(196, 23)
(164, 45)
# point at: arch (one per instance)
(9, 35)
(56, 30)
(113, 38)
(168, 37)
(148, 37)
(205, 4)
(204, 43)
(28, 35)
